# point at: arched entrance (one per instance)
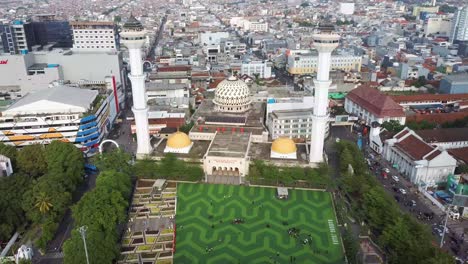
(105, 141)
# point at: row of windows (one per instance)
(97, 47)
(95, 31)
(91, 36)
(92, 42)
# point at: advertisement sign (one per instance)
(341, 118)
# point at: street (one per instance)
(408, 197)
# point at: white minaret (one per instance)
(133, 37)
(325, 42)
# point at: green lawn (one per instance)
(204, 220)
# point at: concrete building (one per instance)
(80, 116)
(423, 164)
(446, 138)
(407, 71)
(5, 166)
(417, 10)
(95, 36)
(295, 124)
(36, 70)
(17, 37)
(251, 68)
(454, 84)
(370, 105)
(212, 38)
(437, 25)
(347, 8)
(306, 62)
(134, 37)
(459, 30)
(325, 42)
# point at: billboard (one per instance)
(341, 118)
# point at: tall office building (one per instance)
(49, 30)
(17, 37)
(95, 36)
(459, 30)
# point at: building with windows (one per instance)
(252, 68)
(454, 84)
(301, 62)
(80, 116)
(95, 36)
(459, 31)
(23, 73)
(370, 105)
(423, 164)
(17, 37)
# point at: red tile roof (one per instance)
(429, 97)
(401, 134)
(174, 68)
(433, 155)
(415, 148)
(374, 101)
(460, 154)
(437, 118)
(444, 134)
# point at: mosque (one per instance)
(228, 133)
(229, 130)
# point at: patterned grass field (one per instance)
(205, 232)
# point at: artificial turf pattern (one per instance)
(204, 220)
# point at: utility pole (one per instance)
(82, 231)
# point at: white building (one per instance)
(256, 26)
(262, 68)
(69, 114)
(94, 36)
(36, 70)
(422, 163)
(437, 25)
(5, 166)
(347, 8)
(212, 38)
(178, 93)
(446, 138)
(305, 62)
(460, 25)
(370, 105)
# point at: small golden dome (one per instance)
(178, 140)
(283, 145)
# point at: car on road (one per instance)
(413, 203)
(402, 191)
(395, 178)
(387, 170)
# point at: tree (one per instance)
(346, 159)
(392, 126)
(12, 214)
(187, 127)
(102, 247)
(10, 152)
(43, 203)
(31, 160)
(114, 160)
(66, 161)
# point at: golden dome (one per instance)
(284, 145)
(178, 140)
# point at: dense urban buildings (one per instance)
(258, 92)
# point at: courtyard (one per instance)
(239, 224)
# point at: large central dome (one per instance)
(232, 95)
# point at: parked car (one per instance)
(387, 170)
(395, 178)
(413, 203)
(402, 191)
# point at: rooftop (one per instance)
(444, 135)
(375, 102)
(429, 97)
(415, 148)
(460, 154)
(229, 144)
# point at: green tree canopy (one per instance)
(31, 160)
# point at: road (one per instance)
(455, 242)
(54, 247)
